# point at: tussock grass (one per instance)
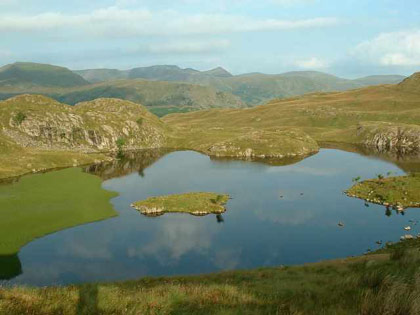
(371, 284)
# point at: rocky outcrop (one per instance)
(87, 127)
(390, 137)
(265, 144)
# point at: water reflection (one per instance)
(131, 162)
(407, 161)
(10, 267)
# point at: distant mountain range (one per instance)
(252, 88)
(167, 89)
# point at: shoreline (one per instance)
(111, 156)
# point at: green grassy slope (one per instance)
(41, 204)
(378, 116)
(377, 284)
(23, 74)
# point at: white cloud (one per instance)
(5, 53)
(312, 63)
(392, 49)
(115, 21)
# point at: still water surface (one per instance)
(278, 215)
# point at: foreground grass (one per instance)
(44, 203)
(383, 283)
(400, 191)
(197, 203)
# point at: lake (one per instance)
(278, 215)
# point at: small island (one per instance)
(398, 192)
(196, 203)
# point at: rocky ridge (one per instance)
(88, 127)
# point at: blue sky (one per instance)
(349, 38)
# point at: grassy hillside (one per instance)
(156, 95)
(22, 74)
(383, 117)
(381, 283)
(155, 73)
(100, 75)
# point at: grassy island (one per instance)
(197, 203)
(400, 192)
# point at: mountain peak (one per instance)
(218, 72)
(411, 84)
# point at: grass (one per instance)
(45, 203)
(394, 191)
(379, 283)
(196, 203)
(352, 117)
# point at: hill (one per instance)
(252, 88)
(158, 96)
(38, 132)
(384, 118)
(411, 84)
(218, 72)
(101, 75)
(22, 74)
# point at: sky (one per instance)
(349, 38)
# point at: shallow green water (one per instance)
(40, 204)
